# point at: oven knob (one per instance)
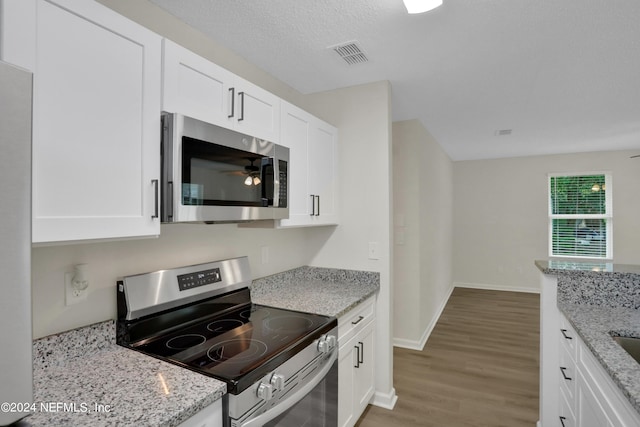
(277, 381)
(265, 391)
(333, 341)
(323, 345)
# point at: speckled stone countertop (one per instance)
(601, 302)
(317, 290)
(84, 367)
(85, 370)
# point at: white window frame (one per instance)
(608, 215)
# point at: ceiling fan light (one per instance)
(256, 180)
(420, 6)
(248, 181)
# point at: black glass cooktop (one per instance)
(241, 346)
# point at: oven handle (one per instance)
(294, 398)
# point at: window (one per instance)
(580, 215)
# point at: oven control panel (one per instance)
(199, 278)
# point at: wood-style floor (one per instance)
(479, 368)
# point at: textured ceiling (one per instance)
(564, 75)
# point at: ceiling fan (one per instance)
(251, 171)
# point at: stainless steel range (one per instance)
(280, 366)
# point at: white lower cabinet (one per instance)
(575, 390)
(356, 362)
(211, 416)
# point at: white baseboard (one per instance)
(419, 345)
(385, 400)
(496, 287)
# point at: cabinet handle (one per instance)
(170, 207)
(361, 353)
(562, 369)
(313, 205)
(357, 365)
(318, 197)
(564, 334)
(241, 95)
(233, 101)
(357, 321)
(562, 421)
(154, 182)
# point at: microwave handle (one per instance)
(294, 398)
(276, 182)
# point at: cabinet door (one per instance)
(296, 127)
(257, 112)
(96, 121)
(313, 168)
(323, 168)
(346, 368)
(364, 372)
(590, 412)
(196, 87)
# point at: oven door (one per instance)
(315, 404)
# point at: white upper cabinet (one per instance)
(96, 118)
(196, 87)
(313, 169)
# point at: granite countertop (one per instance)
(316, 290)
(83, 378)
(87, 379)
(601, 302)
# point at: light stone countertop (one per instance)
(316, 290)
(85, 370)
(601, 302)
(103, 384)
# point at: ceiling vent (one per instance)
(503, 132)
(350, 52)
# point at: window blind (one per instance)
(580, 215)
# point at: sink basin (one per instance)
(631, 345)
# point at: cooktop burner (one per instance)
(230, 346)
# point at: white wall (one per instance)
(423, 210)
(363, 116)
(178, 245)
(501, 215)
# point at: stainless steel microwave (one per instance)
(211, 174)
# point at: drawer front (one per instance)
(567, 416)
(568, 337)
(567, 374)
(355, 320)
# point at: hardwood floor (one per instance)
(479, 368)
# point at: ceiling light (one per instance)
(248, 181)
(420, 6)
(256, 180)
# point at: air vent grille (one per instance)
(350, 52)
(504, 132)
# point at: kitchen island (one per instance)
(599, 300)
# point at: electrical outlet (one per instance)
(373, 250)
(72, 295)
